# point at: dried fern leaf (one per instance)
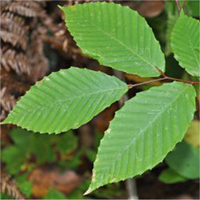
(21, 10)
(16, 28)
(11, 59)
(15, 40)
(8, 186)
(7, 101)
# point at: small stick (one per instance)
(165, 77)
(178, 6)
(146, 82)
(176, 79)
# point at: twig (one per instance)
(146, 82)
(131, 188)
(176, 79)
(165, 77)
(119, 75)
(178, 6)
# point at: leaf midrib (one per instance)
(57, 102)
(142, 132)
(115, 39)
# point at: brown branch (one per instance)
(165, 77)
(177, 79)
(178, 5)
(146, 82)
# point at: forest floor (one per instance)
(35, 43)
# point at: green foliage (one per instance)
(21, 149)
(91, 154)
(194, 6)
(169, 176)
(5, 196)
(21, 178)
(112, 190)
(67, 144)
(185, 43)
(61, 101)
(78, 193)
(44, 149)
(108, 192)
(9, 156)
(54, 194)
(116, 36)
(142, 132)
(172, 16)
(184, 160)
(151, 123)
(25, 188)
(170, 25)
(28, 143)
(72, 163)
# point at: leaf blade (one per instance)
(184, 160)
(169, 176)
(65, 100)
(184, 43)
(116, 36)
(139, 137)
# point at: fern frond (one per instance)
(8, 186)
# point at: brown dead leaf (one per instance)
(44, 178)
(151, 8)
(101, 121)
(147, 8)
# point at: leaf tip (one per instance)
(61, 8)
(182, 13)
(4, 122)
(89, 190)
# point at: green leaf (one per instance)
(169, 176)
(66, 100)
(72, 163)
(20, 137)
(41, 147)
(171, 9)
(170, 25)
(143, 131)
(67, 143)
(112, 191)
(194, 6)
(78, 193)
(25, 188)
(184, 41)
(116, 36)
(54, 194)
(22, 177)
(30, 143)
(91, 155)
(9, 155)
(184, 160)
(5, 196)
